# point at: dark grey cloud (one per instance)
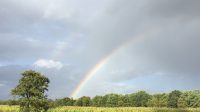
(176, 44)
(18, 16)
(9, 77)
(173, 50)
(15, 47)
(78, 34)
(180, 9)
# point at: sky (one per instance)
(150, 45)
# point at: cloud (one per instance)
(2, 85)
(177, 9)
(80, 33)
(173, 50)
(49, 64)
(10, 74)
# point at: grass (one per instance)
(103, 109)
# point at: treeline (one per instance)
(9, 102)
(174, 99)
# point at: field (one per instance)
(99, 109)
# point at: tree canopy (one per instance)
(31, 91)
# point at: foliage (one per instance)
(31, 92)
(189, 99)
(126, 101)
(64, 102)
(83, 101)
(158, 100)
(140, 99)
(112, 100)
(32, 87)
(173, 98)
(97, 101)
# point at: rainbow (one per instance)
(103, 61)
(89, 75)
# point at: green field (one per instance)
(103, 109)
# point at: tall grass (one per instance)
(102, 109)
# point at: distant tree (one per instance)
(78, 102)
(97, 101)
(173, 98)
(140, 99)
(68, 101)
(194, 98)
(52, 103)
(126, 100)
(13, 102)
(86, 101)
(4, 102)
(64, 102)
(112, 100)
(83, 101)
(121, 101)
(104, 100)
(183, 100)
(132, 98)
(158, 100)
(31, 91)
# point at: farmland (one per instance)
(103, 109)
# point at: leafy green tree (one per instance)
(86, 101)
(173, 98)
(140, 99)
(31, 91)
(64, 102)
(3, 102)
(112, 100)
(183, 100)
(97, 101)
(68, 101)
(121, 101)
(104, 100)
(52, 103)
(194, 99)
(126, 100)
(158, 100)
(13, 102)
(132, 98)
(78, 102)
(83, 101)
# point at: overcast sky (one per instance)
(64, 39)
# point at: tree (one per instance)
(173, 98)
(64, 102)
(126, 100)
(158, 100)
(86, 101)
(83, 101)
(112, 100)
(97, 101)
(104, 100)
(31, 91)
(183, 100)
(140, 99)
(194, 98)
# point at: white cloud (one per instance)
(32, 40)
(49, 64)
(2, 85)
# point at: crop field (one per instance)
(103, 109)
